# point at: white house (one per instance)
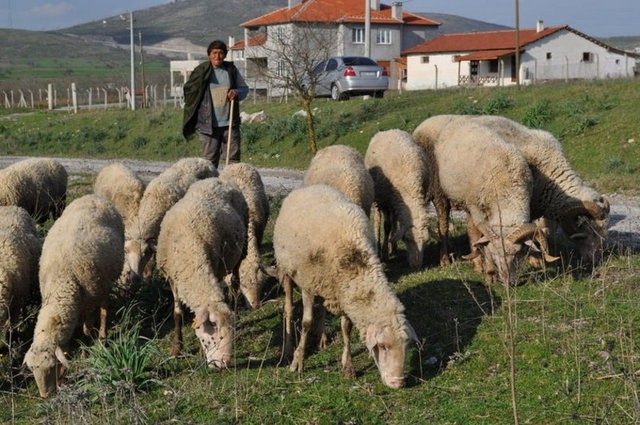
(381, 32)
(489, 59)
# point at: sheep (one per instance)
(19, 258)
(472, 167)
(82, 255)
(399, 170)
(202, 238)
(342, 167)
(247, 179)
(160, 194)
(39, 185)
(123, 187)
(325, 244)
(558, 193)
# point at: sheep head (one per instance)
(388, 348)
(215, 329)
(48, 365)
(505, 253)
(139, 253)
(585, 223)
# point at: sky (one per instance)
(597, 18)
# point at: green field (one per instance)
(560, 348)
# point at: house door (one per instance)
(473, 70)
(513, 68)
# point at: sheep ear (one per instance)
(201, 316)
(271, 271)
(371, 339)
(61, 357)
(411, 333)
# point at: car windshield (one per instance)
(358, 60)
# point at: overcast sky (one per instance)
(598, 18)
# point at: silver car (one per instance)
(344, 76)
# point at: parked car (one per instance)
(342, 76)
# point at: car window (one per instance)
(319, 67)
(358, 60)
(332, 64)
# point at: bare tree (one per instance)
(292, 52)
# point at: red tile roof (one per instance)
(254, 40)
(352, 11)
(478, 41)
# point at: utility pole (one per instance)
(367, 28)
(133, 72)
(517, 65)
(144, 92)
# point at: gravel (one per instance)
(624, 219)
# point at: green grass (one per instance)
(574, 333)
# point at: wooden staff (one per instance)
(229, 132)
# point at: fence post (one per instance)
(74, 98)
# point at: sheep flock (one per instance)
(199, 232)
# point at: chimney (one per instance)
(396, 10)
(294, 3)
(540, 25)
(375, 5)
(231, 42)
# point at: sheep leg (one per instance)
(102, 331)
(287, 350)
(297, 364)
(176, 348)
(443, 210)
(347, 366)
(474, 235)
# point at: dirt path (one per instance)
(624, 225)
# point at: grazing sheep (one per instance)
(123, 187)
(82, 255)
(161, 194)
(19, 258)
(324, 243)
(342, 167)
(202, 238)
(39, 185)
(247, 179)
(399, 170)
(558, 193)
(475, 169)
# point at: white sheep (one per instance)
(20, 252)
(39, 185)
(324, 243)
(82, 255)
(123, 187)
(559, 194)
(473, 168)
(248, 180)
(160, 194)
(342, 167)
(400, 173)
(202, 239)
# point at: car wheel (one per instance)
(336, 94)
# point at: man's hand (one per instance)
(231, 94)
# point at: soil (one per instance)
(624, 218)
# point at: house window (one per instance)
(281, 69)
(617, 61)
(587, 57)
(357, 35)
(548, 55)
(383, 36)
(424, 59)
(493, 66)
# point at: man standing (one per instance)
(212, 88)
